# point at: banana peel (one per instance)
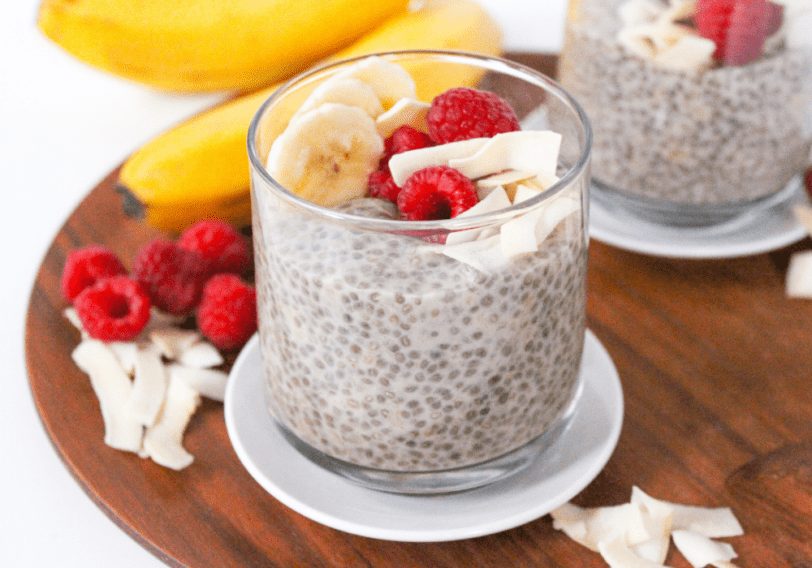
(199, 169)
(200, 45)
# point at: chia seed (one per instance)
(722, 136)
(439, 373)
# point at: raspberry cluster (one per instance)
(181, 278)
(739, 28)
(441, 192)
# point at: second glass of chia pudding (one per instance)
(701, 110)
(421, 261)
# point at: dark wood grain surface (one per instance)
(716, 367)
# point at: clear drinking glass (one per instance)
(687, 147)
(395, 365)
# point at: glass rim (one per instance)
(518, 70)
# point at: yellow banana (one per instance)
(204, 45)
(199, 168)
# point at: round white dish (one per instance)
(750, 234)
(565, 469)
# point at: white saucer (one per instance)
(769, 230)
(567, 467)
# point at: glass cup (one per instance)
(695, 146)
(390, 362)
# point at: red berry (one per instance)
(739, 28)
(115, 308)
(172, 276)
(86, 266)
(808, 181)
(711, 20)
(227, 315)
(404, 139)
(382, 185)
(747, 31)
(436, 192)
(220, 244)
(463, 113)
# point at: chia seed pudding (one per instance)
(383, 355)
(405, 347)
(712, 137)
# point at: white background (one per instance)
(63, 127)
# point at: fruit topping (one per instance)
(172, 276)
(227, 315)
(382, 186)
(220, 244)
(86, 266)
(739, 28)
(404, 139)
(390, 81)
(436, 192)
(115, 308)
(463, 113)
(326, 154)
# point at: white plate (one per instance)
(752, 234)
(566, 468)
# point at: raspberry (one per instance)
(463, 113)
(737, 27)
(711, 20)
(747, 32)
(115, 308)
(436, 192)
(220, 244)
(86, 266)
(172, 276)
(382, 185)
(227, 315)
(404, 139)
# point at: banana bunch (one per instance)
(199, 45)
(199, 169)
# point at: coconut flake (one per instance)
(504, 178)
(163, 440)
(404, 164)
(700, 550)
(525, 150)
(406, 111)
(201, 355)
(712, 522)
(483, 254)
(73, 317)
(210, 383)
(658, 519)
(125, 352)
(591, 526)
(174, 341)
(149, 386)
(799, 275)
(112, 387)
(618, 555)
(494, 201)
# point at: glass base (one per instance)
(688, 214)
(441, 481)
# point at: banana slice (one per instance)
(326, 154)
(345, 90)
(390, 81)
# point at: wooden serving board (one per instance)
(715, 363)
